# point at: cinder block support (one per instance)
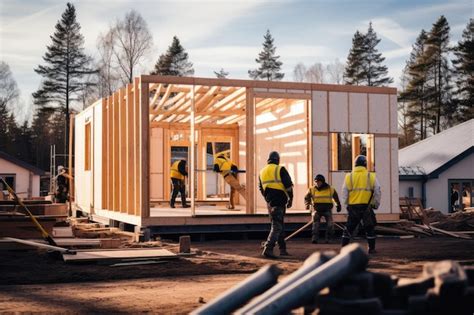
(142, 234)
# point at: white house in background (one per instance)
(21, 176)
(440, 169)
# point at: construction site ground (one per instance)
(32, 281)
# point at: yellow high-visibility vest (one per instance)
(322, 196)
(175, 171)
(224, 165)
(270, 177)
(360, 183)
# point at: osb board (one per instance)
(338, 112)
(118, 254)
(320, 111)
(358, 112)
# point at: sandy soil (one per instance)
(30, 281)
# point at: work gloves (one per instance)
(338, 208)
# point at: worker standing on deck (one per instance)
(178, 173)
(361, 193)
(229, 172)
(322, 197)
(277, 188)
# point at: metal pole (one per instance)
(311, 263)
(351, 259)
(237, 296)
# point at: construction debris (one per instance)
(443, 288)
(119, 255)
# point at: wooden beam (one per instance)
(137, 147)
(250, 151)
(123, 150)
(157, 95)
(105, 153)
(115, 156)
(130, 150)
(285, 95)
(144, 151)
(210, 94)
(164, 98)
(110, 150)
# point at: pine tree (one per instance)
(270, 66)
(174, 62)
(464, 66)
(374, 71)
(416, 76)
(65, 69)
(221, 74)
(439, 92)
(354, 71)
(4, 135)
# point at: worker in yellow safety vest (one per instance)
(277, 188)
(361, 194)
(178, 173)
(322, 197)
(229, 172)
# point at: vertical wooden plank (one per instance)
(116, 167)
(192, 172)
(136, 134)
(130, 151)
(71, 153)
(144, 150)
(110, 159)
(166, 162)
(250, 150)
(104, 154)
(123, 150)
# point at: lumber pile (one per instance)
(340, 284)
(86, 229)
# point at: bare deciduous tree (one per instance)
(315, 73)
(8, 88)
(109, 79)
(299, 73)
(335, 72)
(123, 47)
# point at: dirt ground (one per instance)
(30, 281)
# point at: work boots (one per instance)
(283, 252)
(371, 242)
(268, 253)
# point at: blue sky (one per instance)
(229, 34)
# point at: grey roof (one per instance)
(432, 153)
(18, 162)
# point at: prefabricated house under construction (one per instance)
(126, 143)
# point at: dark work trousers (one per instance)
(327, 215)
(360, 214)
(277, 231)
(178, 187)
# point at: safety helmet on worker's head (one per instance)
(274, 156)
(60, 168)
(360, 160)
(320, 178)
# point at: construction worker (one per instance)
(277, 188)
(322, 197)
(361, 193)
(229, 172)
(178, 173)
(62, 185)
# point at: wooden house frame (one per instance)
(122, 143)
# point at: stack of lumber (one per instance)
(83, 229)
(405, 227)
(458, 221)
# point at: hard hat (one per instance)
(60, 168)
(360, 160)
(274, 156)
(320, 177)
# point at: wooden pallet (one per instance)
(411, 209)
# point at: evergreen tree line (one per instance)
(72, 79)
(437, 83)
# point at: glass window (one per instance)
(345, 147)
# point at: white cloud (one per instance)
(393, 31)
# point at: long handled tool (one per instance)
(44, 234)
(299, 230)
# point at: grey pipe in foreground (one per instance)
(240, 294)
(311, 263)
(351, 259)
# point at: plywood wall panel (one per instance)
(336, 180)
(358, 112)
(382, 168)
(320, 111)
(97, 130)
(338, 112)
(320, 156)
(379, 111)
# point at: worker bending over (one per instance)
(322, 197)
(361, 193)
(178, 173)
(277, 188)
(229, 172)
